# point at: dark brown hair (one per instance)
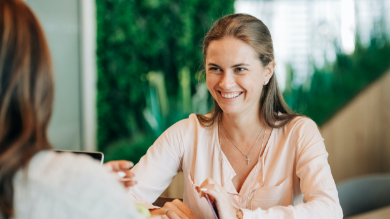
(253, 32)
(26, 94)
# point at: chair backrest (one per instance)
(364, 194)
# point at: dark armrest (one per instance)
(160, 202)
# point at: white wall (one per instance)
(64, 23)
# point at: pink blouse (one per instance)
(292, 180)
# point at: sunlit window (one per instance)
(308, 34)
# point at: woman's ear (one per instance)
(269, 71)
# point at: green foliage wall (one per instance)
(149, 56)
(333, 86)
(148, 51)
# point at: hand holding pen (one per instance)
(122, 168)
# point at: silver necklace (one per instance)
(246, 155)
(250, 195)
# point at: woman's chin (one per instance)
(230, 110)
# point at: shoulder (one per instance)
(183, 134)
(301, 123)
(186, 126)
(192, 120)
(70, 184)
(303, 132)
(67, 171)
(301, 128)
(65, 181)
(50, 164)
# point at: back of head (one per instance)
(26, 93)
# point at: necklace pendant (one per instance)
(247, 159)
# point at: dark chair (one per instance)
(161, 201)
(364, 194)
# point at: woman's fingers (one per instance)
(220, 196)
(129, 183)
(212, 191)
(201, 194)
(129, 174)
(159, 217)
(157, 212)
(122, 168)
(128, 178)
(183, 208)
(174, 209)
(118, 165)
(172, 215)
(208, 184)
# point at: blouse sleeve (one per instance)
(320, 197)
(155, 171)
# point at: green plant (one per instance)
(333, 86)
(148, 56)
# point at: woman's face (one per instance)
(235, 76)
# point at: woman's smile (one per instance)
(230, 95)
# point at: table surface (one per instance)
(382, 213)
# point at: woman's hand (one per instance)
(122, 167)
(174, 210)
(218, 195)
(159, 217)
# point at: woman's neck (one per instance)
(243, 128)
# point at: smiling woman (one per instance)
(248, 49)
(234, 74)
(251, 155)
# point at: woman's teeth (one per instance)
(230, 95)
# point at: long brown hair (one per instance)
(253, 32)
(26, 94)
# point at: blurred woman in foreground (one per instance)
(35, 182)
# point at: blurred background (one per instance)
(126, 70)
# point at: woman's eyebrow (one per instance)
(215, 65)
(236, 65)
(241, 64)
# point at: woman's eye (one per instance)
(239, 69)
(213, 69)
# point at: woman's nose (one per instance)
(227, 81)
